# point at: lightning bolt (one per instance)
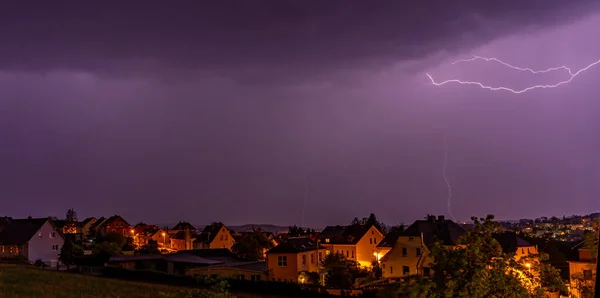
(446, 177)
(572, 75)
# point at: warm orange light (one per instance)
(528, 265)
(163, 234)
(132, 231)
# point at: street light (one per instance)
(528, 267)
(164, 239)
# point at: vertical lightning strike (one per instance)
(446, 178)
(572, 76)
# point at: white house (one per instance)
(31, 238)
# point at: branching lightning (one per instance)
(446, 178)
(572, 76)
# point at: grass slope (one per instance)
(18, 281)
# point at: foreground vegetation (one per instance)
(20, 281)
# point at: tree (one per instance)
(105, 250)
(478, 267)
(372, 221)
(113, 237)
(69, 251)
(71, 221)
(150, 248)
(252, 245)
(342, 272)
(294, 231)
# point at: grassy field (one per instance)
(19, 281)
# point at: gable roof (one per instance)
(86, 221)
(444, 230)
(295, 245)
(210, 232)
(20, 231)
(98, 223)
(344, 234)
(182, 225)
(113, 218)
(390, 239)
(510, 241)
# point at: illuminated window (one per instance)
(327, 240)
(281, 261)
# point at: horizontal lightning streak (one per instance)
(571, 73)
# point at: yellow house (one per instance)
(513, 243)
(216, 235)
(355, 242)
(295, 255)
(583, 274)
(409, 253)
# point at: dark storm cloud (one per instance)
(298, 36)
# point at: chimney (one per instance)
(187, 237)
(441, 218)
(431, 218)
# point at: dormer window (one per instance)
(326, 240)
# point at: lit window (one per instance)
(327, 240)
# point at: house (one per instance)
(182, 225)
(356, 242)
(182, 240)
(216, 235)
(114, 224)
(84, 226)
(162, 237)
(230, 265)
(583, 274)
(95, 228)
(295, 255)
(31, 238)
(513, 243)
(408, 255)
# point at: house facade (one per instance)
(355, 242)
(31, 238)
(116, 224)
(216, 235)
(295, 255)
(583, 274)
(409, 255)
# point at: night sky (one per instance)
(251, 111)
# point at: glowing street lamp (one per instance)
(528, 267)
(164, 239)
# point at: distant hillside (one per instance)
(266, 227)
